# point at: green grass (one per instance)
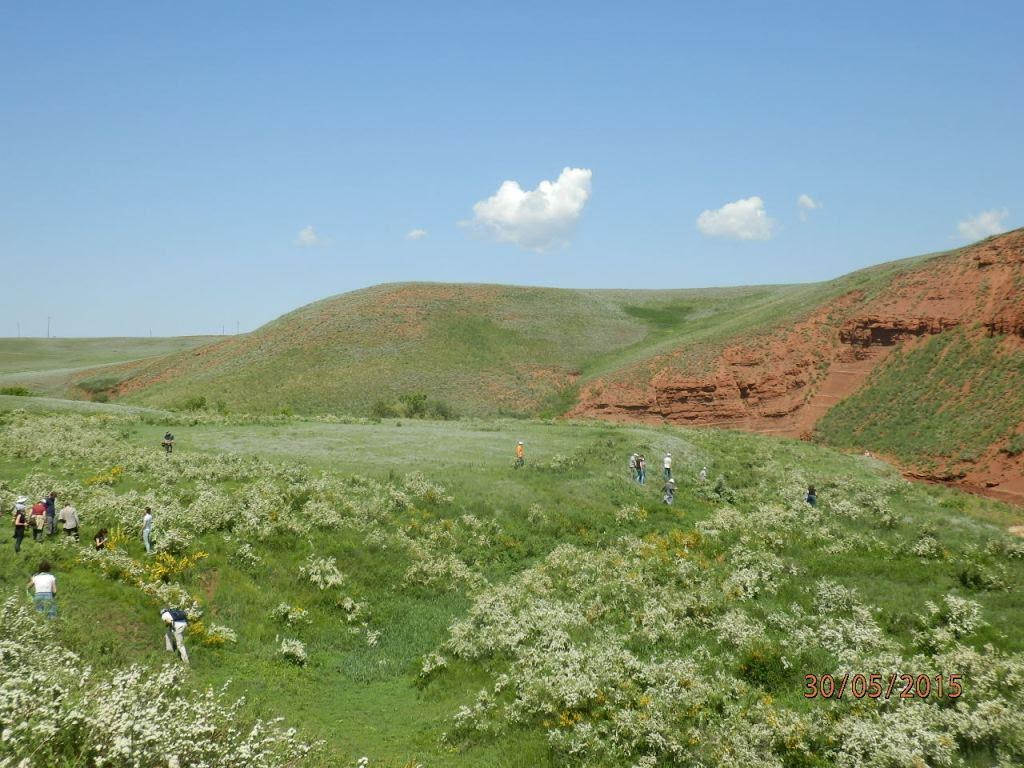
(939, 403)
(47, 366)
(484, 350)
(364, 700)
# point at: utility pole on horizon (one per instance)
(47, 326)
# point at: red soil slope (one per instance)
(785, 383)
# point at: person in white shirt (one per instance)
(176, 622)
(147, 530)
(668, 466)
(69, 516)
(45, 585)
(704, 474)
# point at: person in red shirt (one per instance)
(38, 520)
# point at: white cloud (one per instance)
(536, 219)
(983, 225)
(416, 234)
(806, 203)
(742, 220)
(308, 237)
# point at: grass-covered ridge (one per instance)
(48, 366)
(399, 591)
(482, 349)
(940, 403)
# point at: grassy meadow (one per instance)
(46, 366)
(396, 590)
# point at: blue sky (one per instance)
(159, 162)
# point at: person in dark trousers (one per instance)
(101, 538)
(812, 496)
(38, 520)
(641, 469)
(51, 513)
(168, 442)
(69, 517)
(20, 521)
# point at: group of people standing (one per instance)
(42, 518)
(638, 470)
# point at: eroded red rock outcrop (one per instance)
(786, 381)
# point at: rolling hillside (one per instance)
(943, 329)
(45, 366)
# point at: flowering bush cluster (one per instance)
(294, 651)
(61, 713)
(659, 650)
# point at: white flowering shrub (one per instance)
(122, 719)
(293, 651)
(246, 557)
(172, 540)
(291, 615)
(927, 546)
(630, 512)
(417, 486)
(322, 572)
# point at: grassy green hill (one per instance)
(400, 592)
(482, 349)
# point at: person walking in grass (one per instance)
(633, 471)
(175, 623)
(69, 518)
(520, 454)
(641, 469)
(812, 496)
(45, 585)
(38, 519)
(147, 530)
(20, 521)
(51, 512)
(168, 443)
(704, 474)
(669, 492)
(667, 464)
(101, 539)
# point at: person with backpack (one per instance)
(147, 530)
(641, 469)
(20, 521)
(669, 492)
(175, 622)
(38, 520)
(168, 442)
(632, 466)
(51, 512)
(45, 585)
